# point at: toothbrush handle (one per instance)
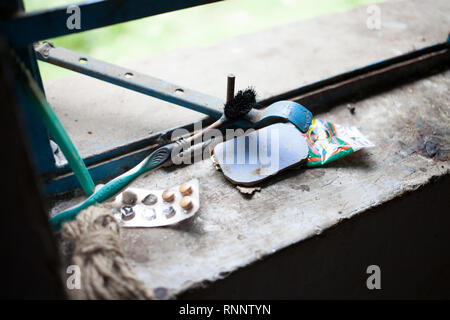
(104, 193)
(113, 187)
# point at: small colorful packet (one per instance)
(328, 142)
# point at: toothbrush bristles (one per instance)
(237, 107)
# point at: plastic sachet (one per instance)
(328, 142)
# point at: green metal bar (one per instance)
(55, 128)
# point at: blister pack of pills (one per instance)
(136, 207)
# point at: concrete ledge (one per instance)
(232, 231)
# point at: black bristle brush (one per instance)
(234, 109)
(237, 107)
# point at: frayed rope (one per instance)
(105, 271)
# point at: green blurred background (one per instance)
(199, 26)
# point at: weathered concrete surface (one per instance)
(100, 116)
(231, 230)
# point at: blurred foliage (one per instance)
(199, 26)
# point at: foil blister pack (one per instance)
(136, 207)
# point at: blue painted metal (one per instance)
(54, 126)
(132, 80)
(166, 91)
(51, 23)
(26, 52)
(28, 56)
(36, 133)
